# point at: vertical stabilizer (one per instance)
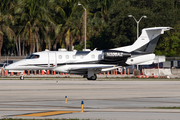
(147, 40)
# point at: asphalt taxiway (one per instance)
(106, 100)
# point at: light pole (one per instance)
(85, 27)
(137, 23)
(137, 28)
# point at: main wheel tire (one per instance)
(94, 77)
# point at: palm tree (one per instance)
(98, 15)
(6, 18)
(35, 17)
(67, 23)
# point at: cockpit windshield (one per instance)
(32, 56)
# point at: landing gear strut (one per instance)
(94, 77)
(22, 76)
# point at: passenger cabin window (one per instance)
(92, 56)
(67, 56)
(32, 56)
(60, 56)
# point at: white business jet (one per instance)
(90, 63)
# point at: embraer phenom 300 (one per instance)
(90, 63)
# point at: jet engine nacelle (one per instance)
(146, 59)
(112, 55)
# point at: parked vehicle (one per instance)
(5, 63)
(9, 61)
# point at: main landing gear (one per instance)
(91, 74)
(94, 77)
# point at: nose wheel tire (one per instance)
(21, 77)
(94, 77)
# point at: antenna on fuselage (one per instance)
(95, 49)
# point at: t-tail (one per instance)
(147, 41)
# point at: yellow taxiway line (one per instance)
(41, 114)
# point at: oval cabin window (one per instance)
(93, 56)
(60, 56)
(67, 56)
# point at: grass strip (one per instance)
(40, 119)
(165, 107)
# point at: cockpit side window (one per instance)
(29, 57)
(36, 56)
(32, 56)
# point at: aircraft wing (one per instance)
(90, 66)
(108, 69)
(16, 70)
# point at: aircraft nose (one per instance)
(10, 67)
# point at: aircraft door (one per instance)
(52, 61)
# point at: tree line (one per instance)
(27, 26)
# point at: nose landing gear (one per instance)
(21, 77)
